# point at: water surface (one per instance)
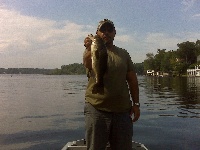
(39, 112)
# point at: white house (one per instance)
(194, 72)
(150, 72)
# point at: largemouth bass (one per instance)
(99, 62)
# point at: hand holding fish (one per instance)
(87, 61)
(88, 42)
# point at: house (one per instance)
(150, 73)
(158, 73)
(194, 72)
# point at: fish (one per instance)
(99, 58)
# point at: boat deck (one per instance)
(81, 145)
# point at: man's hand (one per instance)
(87, 43)
(136, 111)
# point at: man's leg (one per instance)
(97, 128)
(122, 132)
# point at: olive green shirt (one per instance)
(116, 97)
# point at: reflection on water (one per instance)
(179, 95)
(39, 112)
(169, 114)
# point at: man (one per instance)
(108, 115)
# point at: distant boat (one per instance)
(81, 145)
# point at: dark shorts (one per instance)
(103, 127)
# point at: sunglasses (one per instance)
(106, 28)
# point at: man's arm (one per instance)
(87, 61)
(134, 91)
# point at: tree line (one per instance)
(174, 61)
(79, 69)
(71, 69)
(25, 71)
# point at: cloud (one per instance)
(161, 41)
(30, 41)
(196, 16)
(154, 41)
(188, 4)
(27, 41)
(189, 36)
(124, 38)
(138, 46)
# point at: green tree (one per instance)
(149, 62)
(56, 72)
(139, 68)
(197, 45)
(165, 62)
(158, 59)
(187, 52)
(73, 69)
(173, 60)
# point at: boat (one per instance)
(81, 145)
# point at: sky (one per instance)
(50, 33)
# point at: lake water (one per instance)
(39, 112)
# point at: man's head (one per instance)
(104, 23)
(106, 30)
